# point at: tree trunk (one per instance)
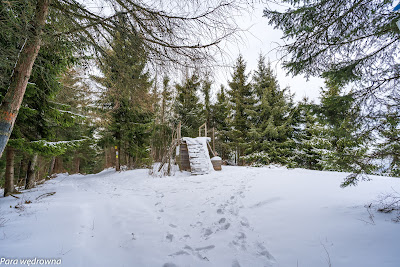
(111, 156)
(77, 165)
(106, 158)
(30, 176)
(23, 169)
(51, 168)
(11, 103)
(117, 163)
(9, 176)
(59, 165)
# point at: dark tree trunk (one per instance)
(30, 176)
(106, 158)
(51, 168)
(117, 163)
(9, 176)
(111, 156)
(59, 165)
(77, 165)
(23, 169)
(11, 103)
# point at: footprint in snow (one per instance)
(169, 237)
(226, 226)
(240, 241)
(244, 222)
(207, 232)
(169, 264)
(235, 263)
(264, 252)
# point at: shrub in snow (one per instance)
(257, 159)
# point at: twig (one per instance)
(328, 260)
(45, 195)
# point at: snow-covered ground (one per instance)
(237, 217)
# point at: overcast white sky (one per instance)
(262, 38)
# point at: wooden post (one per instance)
(205, 129)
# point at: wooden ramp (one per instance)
(198, 155)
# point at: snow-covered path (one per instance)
(238, 217)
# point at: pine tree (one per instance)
(241, 99)
(187, 107)
(273, 125)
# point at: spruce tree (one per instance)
(220, 114)
(343, 129)
(273, 125)
(206, 90)
(242, 100)
(127, 99)
(187, 107)
(389, 148)
(311, 141)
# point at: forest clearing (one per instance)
(174, 133)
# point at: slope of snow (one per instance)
(237, 217)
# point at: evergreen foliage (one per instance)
(311, 141)
(273, 125)
(242, 101)
(187, 107)
(127, 99)
(343, 129)
(206, 90)
(345, 40)
(389, 148)
(220, 117)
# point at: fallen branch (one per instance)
(45, 195)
